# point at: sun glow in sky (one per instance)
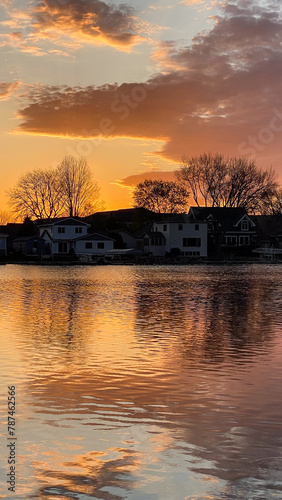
(132, 86)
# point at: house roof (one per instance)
(123, 231)
(174, 219)
(227, 217)
(147, 228)
(155, 234)
(66, 221)
(26, 238)
(93, 237)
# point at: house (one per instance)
(124, 239)
(229, 229)
(125, 218)
(66, 235)
(3, 244)
(29, 245)
(154, 243)
(94, 244)
(177, 234)
(60, 234)
(269, 236)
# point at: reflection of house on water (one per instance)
(205, 312)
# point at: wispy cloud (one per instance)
(7, 89)
(209, 96)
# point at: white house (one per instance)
(61, 234)
(180, 234)
(93, 244)
(70, 234)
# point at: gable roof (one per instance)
(26, 238)
(93, 237)
(227, 217)
(155, 234)
(66, 221)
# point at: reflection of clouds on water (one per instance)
(93, 475)
(160, 376)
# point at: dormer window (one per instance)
(244, 225)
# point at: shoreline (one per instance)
(144, 262)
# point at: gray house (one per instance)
(30, 245)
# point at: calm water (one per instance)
(143, 382)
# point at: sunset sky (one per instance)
(132, 86)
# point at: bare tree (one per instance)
(80, 192)
(5, 217)
(205, 176)
(67, 190)
(161, 196)
(37, 194)
(273, 204)
(227, 182)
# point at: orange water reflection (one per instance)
(148, 382)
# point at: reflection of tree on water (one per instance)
(54, 312)
(212, 313)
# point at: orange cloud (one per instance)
(7, 89)
(92, 21)
(133, 180)
(222, 93)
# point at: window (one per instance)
(61, 230)
(180, 227)
(100, 244)
(157, 241)
(244, 225)
(165, 227)
(78, 230)
(88, 245)
(196, 227)
(231, 240)
(244, 240)
(146, 242)
(191, 242)
(35, 244)
(63, 247)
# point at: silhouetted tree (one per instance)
(161, 196)
(67, 190)
(227, 182)
(5, 217)
(273, 204)
(79, 191)
(37, 194)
